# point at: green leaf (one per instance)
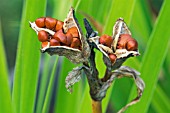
(43, 83)
(50, 88)
(5, 96)
(160, 97)
(153, 58)
(28, 58)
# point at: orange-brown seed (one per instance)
(40, 22)
(44, 44)
(106, 40)
(132, 45)
(54, 42)
(59, 25)
(112, 57)
(50, 23)
(73, 31)
(60, 36)
(127, 42)
(42, 36)
(69, 38)
(75, 43)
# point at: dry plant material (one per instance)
(66, 39)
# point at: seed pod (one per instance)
(59, 25)
(42, 36)
(106, 40)
(50, 23)
(61, 37)
(76, 55)
(119, 51)
(44, 44)
(112, 58)
(40, 22)
(73, 31)
(69, 38)
(75, 43)
(54, 42)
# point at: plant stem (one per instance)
(96, 106)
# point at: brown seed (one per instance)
(59, 25)
(73, 31)
(60, 36)
(50, 23)
(132, 45)
(127, 42)
(42, 36)
(44, 44)
(40, 22)
(112, 57)
(69, 38)
(54, 42)
(106, 40)
(75, 43)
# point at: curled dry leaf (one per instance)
(73, 77)
(65, 33)
(125, 71)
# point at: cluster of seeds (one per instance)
(60, 38)
(125, 42)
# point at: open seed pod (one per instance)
(67, 40)
(122, 47)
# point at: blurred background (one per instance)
(141, 21)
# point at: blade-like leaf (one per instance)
(5, 96)
(28, 58)
(160, 97)
(153, 58)
(50, 88)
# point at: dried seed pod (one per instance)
(127, 42)
(122, 52)
(119, 28)
(112, 57)
(59, 25)
(75, 43)
(40, 22)
(54, 42)
(61, 37)
(50, 23)
(73, 31)
(76, 55)
(69, 38)
(106, 40)
(42, 36)
(44, 44)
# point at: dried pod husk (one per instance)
(78, 54)
(120, 28)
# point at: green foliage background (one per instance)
(32, 82)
